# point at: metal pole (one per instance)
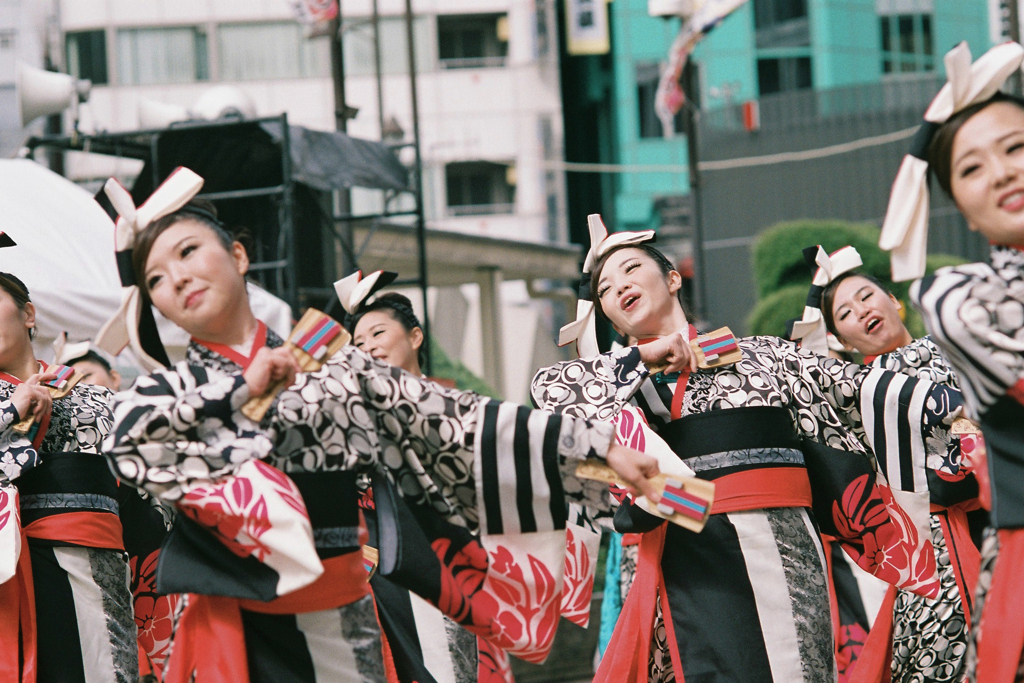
(341, 123)
(338, 74)
(693, 155)
(421, 225)
(377, 67)
(1013, 29)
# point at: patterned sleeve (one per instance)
(180, 425)
(976, 316)
(595, 387)
(502, 466)
(903, 420)
(92, 417)
(16, 452)
(920, 358)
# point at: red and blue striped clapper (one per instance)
(63, 373)
(315, 341)
(368, 566)
(713, 347)
(676, 500)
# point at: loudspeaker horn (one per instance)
(42, 93)
(154, 115)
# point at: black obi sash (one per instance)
(721, 442)
(192, 560)
(67, 482)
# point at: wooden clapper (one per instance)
(313, 341)
(60, 387)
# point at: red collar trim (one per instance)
(223, 349)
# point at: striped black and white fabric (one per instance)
(746, 596)
(86, 630)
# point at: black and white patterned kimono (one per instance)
(441, 448)
(929, 635)
(975, 314)
(780, 432)
(85, 628)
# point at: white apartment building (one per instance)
(489, 103)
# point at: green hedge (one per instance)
(778, 252)
(447, 368)
(771, 312)
(783, 278)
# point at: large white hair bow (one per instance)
(583, 330)
(123, 329)
(811, 328)
(354, 291)
(905, 230)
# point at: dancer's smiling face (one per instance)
(195, 281)
(866, 318)
(636, 296)
(987, 172)
(381, 335)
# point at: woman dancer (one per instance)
(386, 327)
(914, 638)
(972, 143)
(744, 600)
(180, 428)
(77, 624)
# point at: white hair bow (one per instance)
(583, 330)
(123, 329)
(354, 291)
(905, 229)
(811, 328)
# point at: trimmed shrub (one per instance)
(778, 252)
(447, 368)
(771, 312)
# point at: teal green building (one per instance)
(764, 48)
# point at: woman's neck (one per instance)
(21, 363)
(670, 323)
(235, 330)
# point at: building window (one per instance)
(87, 55)
(271, 50)
(770, 12)
(907, 43)
(8, 40)
(472, 40)
(480, 187)
(647, 76)
(154, 56)
(781, 23)
(360, 59)
(783, 75)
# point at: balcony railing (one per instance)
(473, 63)
(481, 209)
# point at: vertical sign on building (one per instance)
(587, 27)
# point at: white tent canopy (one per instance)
(65, 256)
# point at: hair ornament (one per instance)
(905, 229)
(133, 324)
(583, 330)
(811, 329)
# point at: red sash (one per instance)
(875, 662)
(210, 643)
(1001, 629)
(626, 657)
(17, 597)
